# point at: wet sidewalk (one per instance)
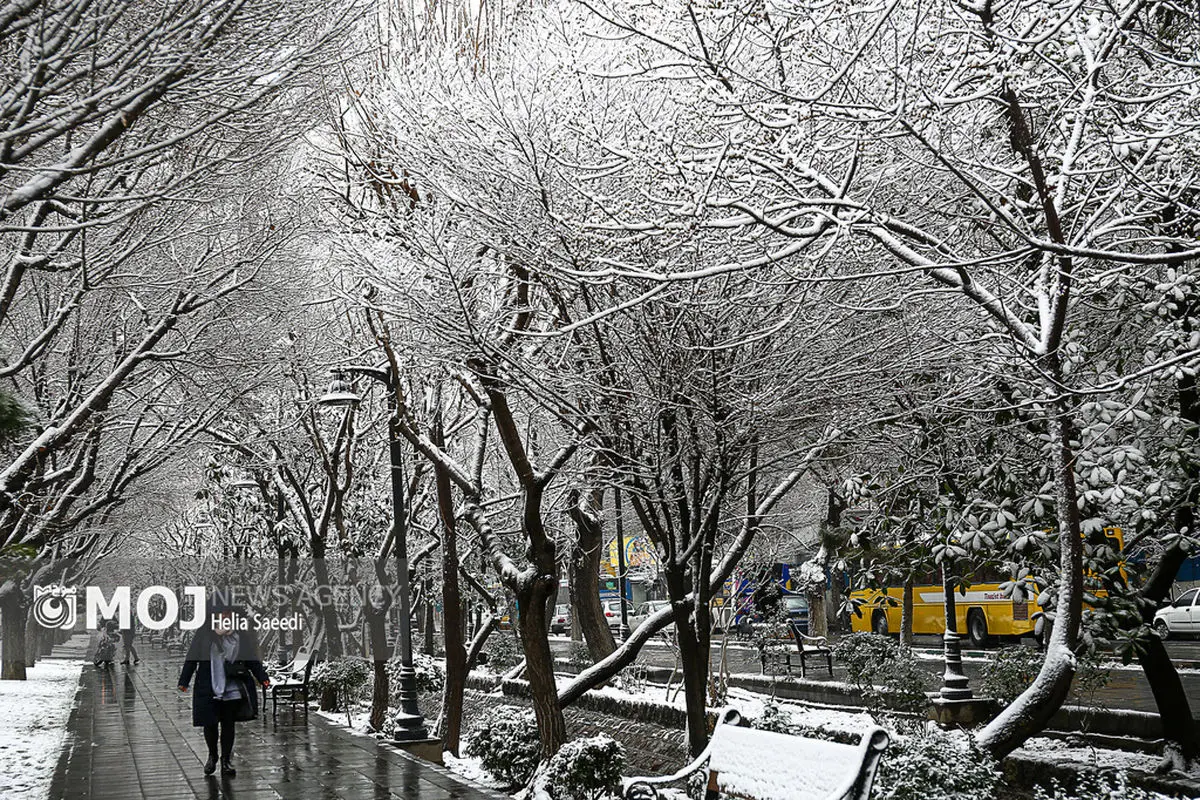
(131, 738)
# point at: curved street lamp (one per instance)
(410, 725)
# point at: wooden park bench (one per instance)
(293, 689)
(761, 765)
(810, 647)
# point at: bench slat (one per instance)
(775, 766)
(763, 765)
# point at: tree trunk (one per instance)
(429, 628)
(533, 624)
(329, 619)
(584, 573)
(906, 613)
(1179, 729)
(453, 632)
(35, 635)
(376, 610)
(818, 619)
(1032, 710)
(694, 658)
(12, 632)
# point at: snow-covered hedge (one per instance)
(505, 740)
(430, 675)
(585, 769)
(933, 765)
(348, 676)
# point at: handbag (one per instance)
(244, 712)
(236, 670)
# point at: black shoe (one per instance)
(227, 768)
(210, 766)
(125, 663)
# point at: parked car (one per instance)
(645, 610)
(1181, 617)
(561, 621)
(795, 607)
(797, 611)
(612, 612)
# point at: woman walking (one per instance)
(224, 660)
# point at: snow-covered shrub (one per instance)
(1095, 786)
(774, 718)
(348, 677)
(430, 675)
(872, 661)
(503, 651)
(934, 765)
(586, 769)
(505, 740)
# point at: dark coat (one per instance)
(204, 709)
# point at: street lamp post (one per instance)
(624, 632)
(409, 724)
(955, 684)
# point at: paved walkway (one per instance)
(131, 738)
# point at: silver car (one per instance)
(1181, 617)
(645, 610)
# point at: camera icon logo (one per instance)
(54, 606)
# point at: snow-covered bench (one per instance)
(760, 765)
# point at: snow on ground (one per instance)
(35, 713)
(1060, 751)
(471, 769)
(359, 720)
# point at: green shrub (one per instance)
(586, 769)
(578, 656)
(873, 661)
(1009, 671)
(933, 765)
(506, 743)
(503, 651)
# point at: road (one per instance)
(1127, 687)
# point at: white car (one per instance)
(645, 610)
(1182, 616)
(612, 612)
(561, 621)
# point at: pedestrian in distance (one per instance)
(106, 645)
(128, 646)
(223, 658)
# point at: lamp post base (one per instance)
(425, 749)
(409, 728)
(962, 713)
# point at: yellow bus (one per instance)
(982, 612)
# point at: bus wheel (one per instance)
(977, 630)
(879, 623)
(1160, 627)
